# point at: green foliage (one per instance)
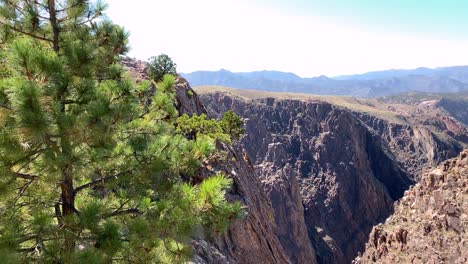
(91, 169)
(199, 125)
(229, 128)
(232, 124)
(190, 93)
(159, 66)
(4, 71)
(211, 197)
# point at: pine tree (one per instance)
(229, 128)
(90, 171)
(199, 125)
(232, 125)
(161, 65)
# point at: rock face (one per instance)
(416, 146)
(324, 172)
(248, 240)
(430, 223)
(331, 172)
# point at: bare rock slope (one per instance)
(430, 223)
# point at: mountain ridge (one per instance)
(371, 84)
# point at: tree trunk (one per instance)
(68, 209)
(54, 25)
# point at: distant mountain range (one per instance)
(371, 84)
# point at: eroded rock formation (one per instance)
(430, 223)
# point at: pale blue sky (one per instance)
(307, 37)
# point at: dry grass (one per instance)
(375, 107)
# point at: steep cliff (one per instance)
(332, 171)
(430, 222)
(418, 144)
(323, 171)
(248, 240)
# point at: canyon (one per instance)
(334, 169)
(315, 174)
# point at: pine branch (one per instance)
(30, 249)
(100, 181)
(34, 157)
(90, 19)
(124, 212)
(25, 176)
(70, 7)
(39, 4)
(25, 65)
(69, 102)
(24, 32)
(26, 238)
(22, 190)
(16, 7)
(38, 74)
(170, 250)
(22, 10)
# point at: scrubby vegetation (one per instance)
(230, 127)
(90, 168)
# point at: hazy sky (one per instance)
(307, 37)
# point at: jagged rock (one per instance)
(439, 233)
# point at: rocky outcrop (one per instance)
(430, 223)
(251, 239)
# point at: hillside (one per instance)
(374, 84)
(429, 224)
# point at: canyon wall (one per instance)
(328, 170)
